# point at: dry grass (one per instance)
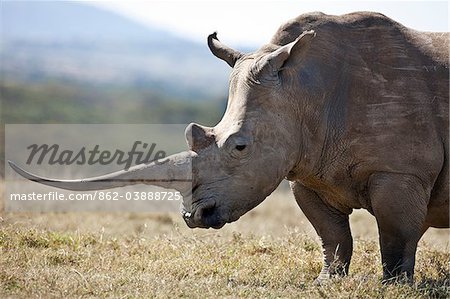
(270, 252)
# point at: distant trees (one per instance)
(69, 102)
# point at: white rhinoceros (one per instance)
(352, 109)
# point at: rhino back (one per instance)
(433, 44)
(386, 90)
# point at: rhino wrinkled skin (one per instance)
(351, 109)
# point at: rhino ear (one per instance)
(223, 52)
(268, 68)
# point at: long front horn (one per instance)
(173, 172)
(223, 52)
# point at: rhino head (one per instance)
(236, 164)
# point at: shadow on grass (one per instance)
(435, 288)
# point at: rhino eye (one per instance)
(240, 147)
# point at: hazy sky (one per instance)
(251, 22)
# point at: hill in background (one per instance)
(72, 41)
(70, 62)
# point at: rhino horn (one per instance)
(223, 52)
(173, 172)
(198, 137)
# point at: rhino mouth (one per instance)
(205, 215)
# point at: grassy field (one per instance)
(270, 252)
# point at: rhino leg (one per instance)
(399, 203)
(333, 228)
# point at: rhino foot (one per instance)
(403, 278)
(400, 226)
